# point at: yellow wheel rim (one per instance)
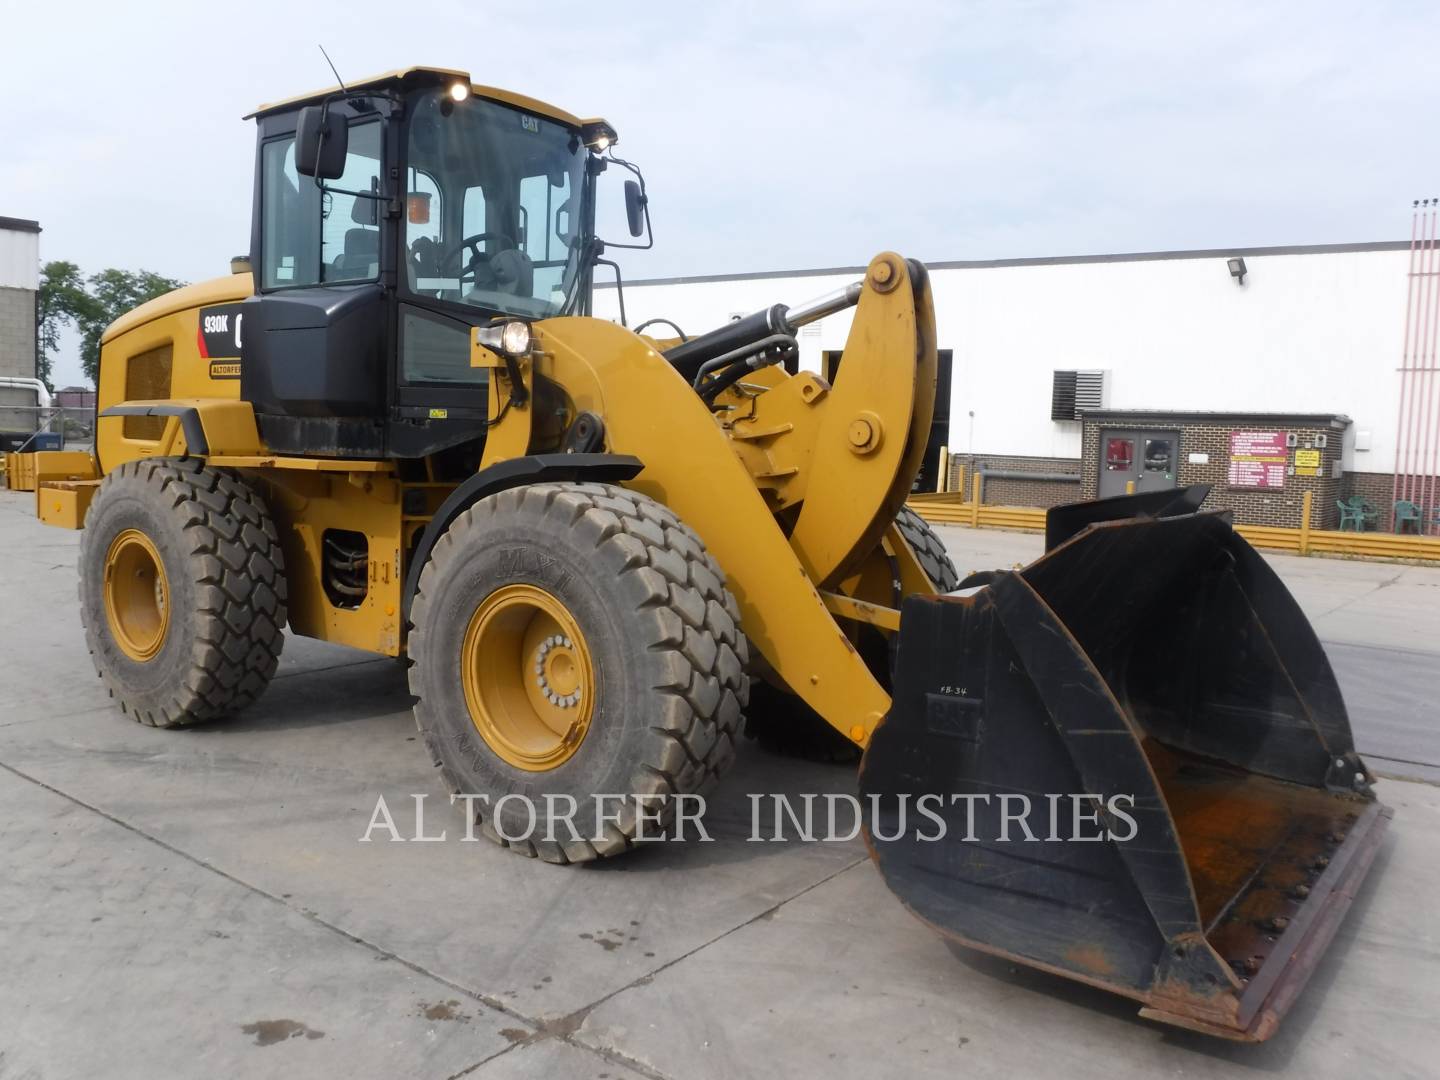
(137, 595)
(528, 678)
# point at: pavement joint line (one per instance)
(579, 1015)
(562, 1029)
(486, 1060)
(310, 916)
(565, 1027)
(1367, 593)
(1429, 655)
(60, 716)
(1403, 761)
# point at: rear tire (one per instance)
(660, 654)
(783, 724)
(182, 591)
(929, 550)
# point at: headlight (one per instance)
(515, 338)
(511, 338)
(459, 91)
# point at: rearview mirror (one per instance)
(321, 140)
(635, 207)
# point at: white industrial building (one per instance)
(19, 311)
(19, 286)
(1308, 332)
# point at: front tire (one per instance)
(573, 640)
(182, 591)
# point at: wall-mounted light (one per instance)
(1237, 269)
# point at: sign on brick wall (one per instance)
(1257, 459)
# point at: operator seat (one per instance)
(510, 271)
(360, 258)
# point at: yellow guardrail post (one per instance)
(977, 486)
(1307, 500)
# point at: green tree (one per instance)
(63, 301)
(111, 294)
(68, 298)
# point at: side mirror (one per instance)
(635, 208)
(321, 140)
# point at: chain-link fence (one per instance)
(56, 427)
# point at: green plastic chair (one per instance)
(1356, 513)
(1406, 513)
(1351, 517)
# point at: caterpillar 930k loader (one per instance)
(397, 426)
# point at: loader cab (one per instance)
(389, 220)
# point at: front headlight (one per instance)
(511, 338)
(515, 338)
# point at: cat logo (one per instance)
(529, 123)
(439, 414)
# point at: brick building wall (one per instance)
(1378, 489)
(1015, 491)
(1250, 506)
(1209, 435)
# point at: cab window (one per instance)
(310, 237)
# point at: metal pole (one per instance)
(1413, 429)
(1307, 500)
(1410, 284)
(1413, 363)
(1425, 494)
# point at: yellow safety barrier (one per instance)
(953, 508)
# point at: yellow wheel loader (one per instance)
(397, 426)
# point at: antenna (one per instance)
(332, 68)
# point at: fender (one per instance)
(204, 427)
(514, 472)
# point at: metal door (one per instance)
(1147, 459)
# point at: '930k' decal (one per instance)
(220, 337)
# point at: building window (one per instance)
(1119, 454)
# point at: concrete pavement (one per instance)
(197, 903)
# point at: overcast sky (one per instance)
(772, 135)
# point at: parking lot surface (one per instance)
(199, 902)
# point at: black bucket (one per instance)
(1198, 820)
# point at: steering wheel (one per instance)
(477, 257)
